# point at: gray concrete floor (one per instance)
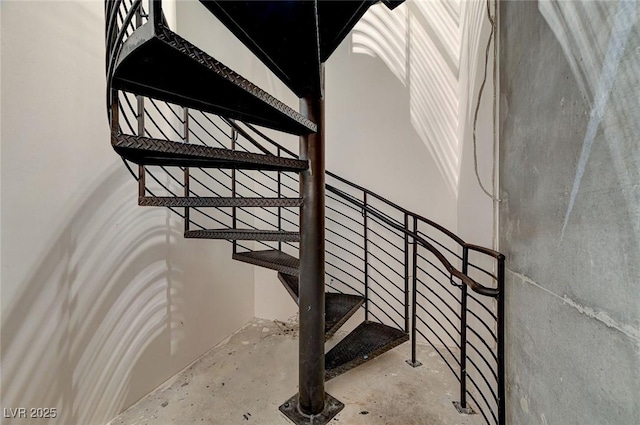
(245, 379)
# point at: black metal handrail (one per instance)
(413, 272)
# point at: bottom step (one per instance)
(338, 308)
(364, 343)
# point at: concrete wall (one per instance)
(102, 300)
(570, 220)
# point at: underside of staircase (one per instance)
(293, 39)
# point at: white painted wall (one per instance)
(475, 209)
(102, 300)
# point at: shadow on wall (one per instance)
(420, 44)
(105, 290)
(605, 65)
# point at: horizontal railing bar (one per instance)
(475, 286)
(333, 232)
(344, 283)
(399, 208)
(495, 357)
(442, 272)
(345, 261)
(421, 233)
(455, 313)
(401, 249)
(483, 306)
(126, 119)
(195, 121)
(384, 262)
(483, 398)
(486, 362)
(344, 215)
(470, 311)
(444, 359)
(383, 310)
(342, 225)
(455, 342)
(148, 115)
(344, 271)
(346, 250)
(178, 133)
(439, 339)
(387, 291)
(445, 287)
(480, 269)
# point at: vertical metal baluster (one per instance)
(141, 169)
(185, 138)
(462, 404)
(366, 257)
(140, 119)
(501, 367)
(279, 208)
(406, 273)
(234, 136)
(414, 304)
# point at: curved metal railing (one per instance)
(414, 273)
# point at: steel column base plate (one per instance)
(414, 364)
(331, 408)
(463, 410)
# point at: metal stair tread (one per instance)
(367, 341)
(270, 259)
(158, 63)
(338, 308)
(243, 234)
(210, 201)
(149, 151)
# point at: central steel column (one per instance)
(311, 291)
(312, 405)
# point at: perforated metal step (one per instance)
(270, 259)
(338, 307)
(148, 151)
(367, 341)
(200, 201)
(158, 63)
(243, 235)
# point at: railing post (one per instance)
(234, 217)
(185, 138)
(462, 404)
(413, 362)
(141, 170)
(406, 273)
(501, 366)
(279, 208)
(366, 257)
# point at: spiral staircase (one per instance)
(294, 39)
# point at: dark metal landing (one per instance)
(147, 151)
(291, 38)
(338, 308)
(270, 259)
(204, 201)
(243, 235)
(282, 34)
(158, 63)
(364, 343)
(332, 407)
(392, 4)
